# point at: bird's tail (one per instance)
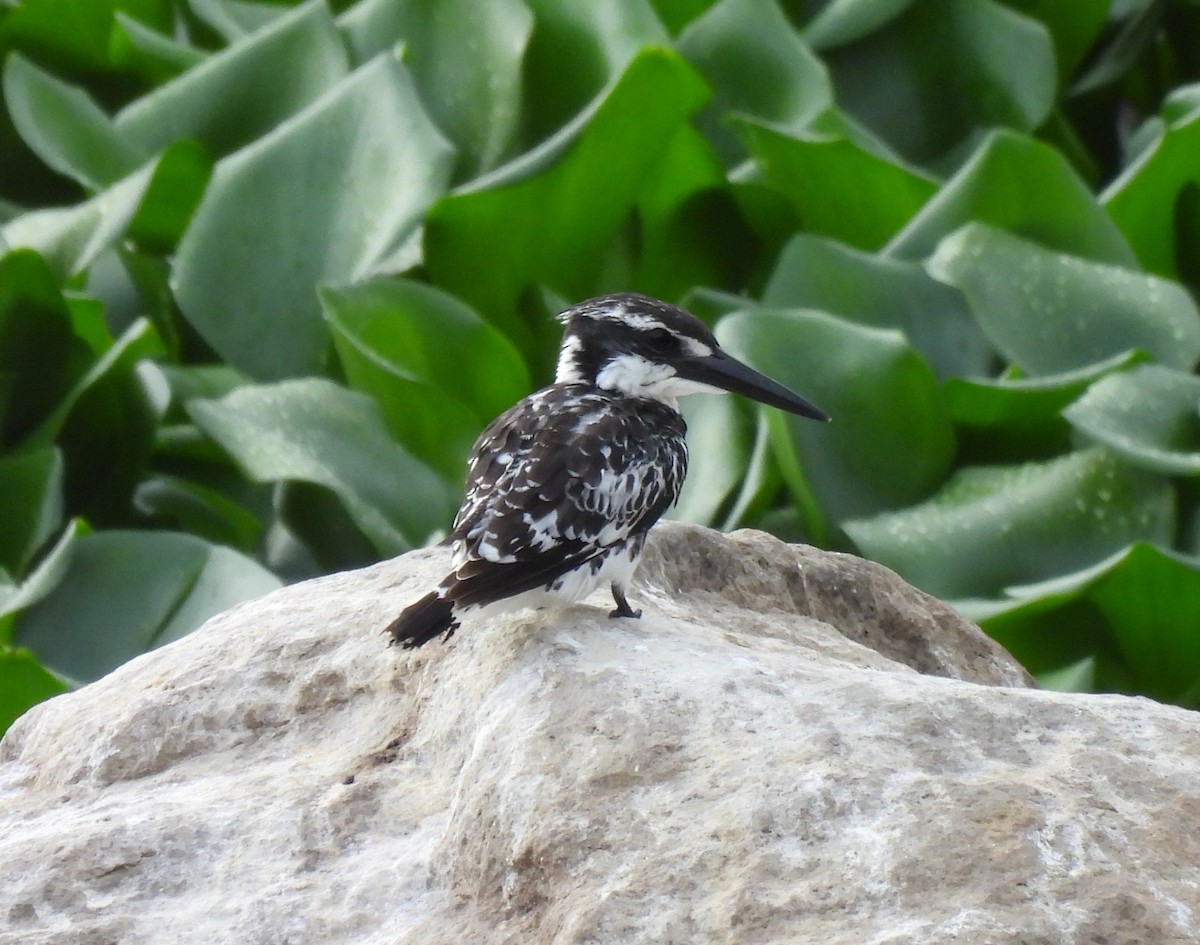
(419, 623)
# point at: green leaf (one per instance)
(576, 51)
(24, 682)
(1049, 313)
(315, 431)
(1011, 419)
(135, 47)
(684, 201)
(1148, 200)
(992, 527)
(40, 356)
(437, 370)
(756, 65)
(881, 293)
(836, 187)
(241, 93)
(72, 238)
(1150, 415)
(321, 199)
(465, 58)
(720, 437)
(867, 459)
(1142, 601)
(547, 218)
(125, 592)
(208, 513)
(840, 22)
(65, 128)
(31, 497)
(943, 70)
(1074, 27)
(1023, 186)
(71, 34)
(43, 579)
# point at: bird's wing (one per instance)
(554, 482)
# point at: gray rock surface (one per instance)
(789, 747)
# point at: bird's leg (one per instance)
(623, 608)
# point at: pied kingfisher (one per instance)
(563, 487)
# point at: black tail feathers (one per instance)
(419, 623)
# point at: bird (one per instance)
(563, 487)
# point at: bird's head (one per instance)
(642, 347)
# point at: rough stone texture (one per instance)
(789, 747)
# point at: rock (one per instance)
(790, 746)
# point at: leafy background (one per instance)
(267, 269)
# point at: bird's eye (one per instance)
(659, 339)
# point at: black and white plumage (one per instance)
(563, 487)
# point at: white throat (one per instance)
(634, 376)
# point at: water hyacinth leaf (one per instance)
(41, 357)
(890, 442)
(315, 431)
(438, 371)
(949, 67)
(1012, 418)
(71, 238)
(1141, 604)
(125, 592)
(546, 219)
(75, 35)
(1023, 186)
(881, 292)
(465, 58)
(43, 578)
(65, 128)
(1148, 201)
(240, 93)
(685, 199)
(576, 51)
(720, 437)
(843, 21)
(24, 682)
(992, 527)
(834, 186)
(1049, 313)
(756, 65)
(1150, 415)
(153, 56)
(320, 199)
(31, 485)
(199, 510)
(236, 19)
(1074, 27)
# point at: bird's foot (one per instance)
(623, 608)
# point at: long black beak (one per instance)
(728, 373)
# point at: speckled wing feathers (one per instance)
(560, 479)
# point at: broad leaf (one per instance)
(1049, 313)
(315, 431)
(890, 442)
(1022, 186)
(24, 682)
(65, 128)
(465, 57)
(438, 371)
(242, 92)
(880, 292)
(1150, 415)
(992, 527)
(949, 68)
(31, 496)
(125, 592)
(321, 199)
(546, 220)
